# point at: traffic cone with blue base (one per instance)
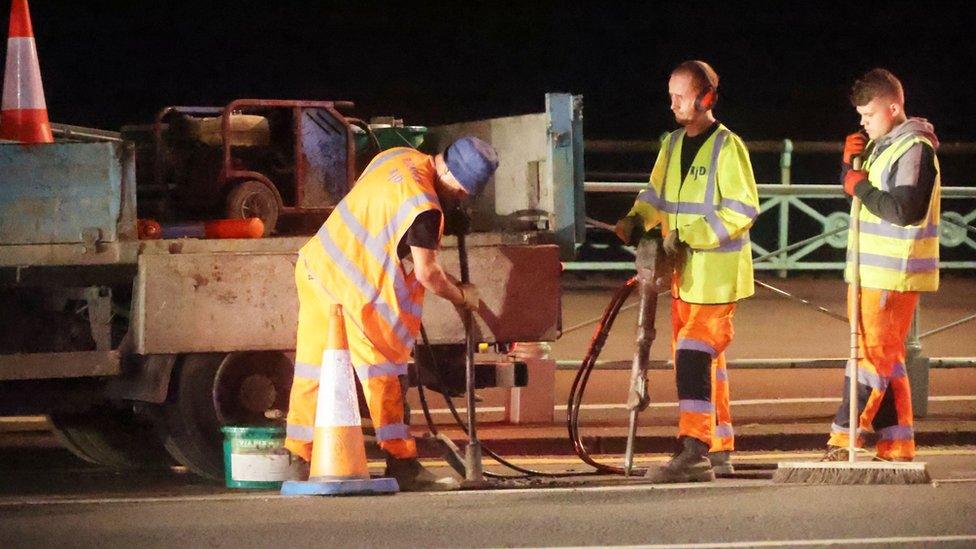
(338, 466)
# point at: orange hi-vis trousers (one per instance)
(884, 398)
(700, 335)
(380, 379)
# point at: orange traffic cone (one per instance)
(338, 465)
(24, 115)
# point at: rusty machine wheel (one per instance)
(209, 390)
(254, 199)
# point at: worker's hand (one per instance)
(471, 295)
(676, 249)
(852, 179)
(626, 228)
(853, 146)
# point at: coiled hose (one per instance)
(574, 404)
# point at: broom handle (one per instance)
(855, 320)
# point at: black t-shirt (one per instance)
(423, 233)
(690, 146)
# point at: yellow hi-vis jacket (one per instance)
(893, 257)
(712, 208)
(354, 255)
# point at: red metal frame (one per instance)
(229, 174)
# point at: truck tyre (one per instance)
(111, 437)
(253, 199)
(188, 419)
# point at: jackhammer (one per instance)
(653, 276)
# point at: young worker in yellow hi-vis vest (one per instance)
(356, 261)
(898, 185)
(703, 194)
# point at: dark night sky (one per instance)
(785, 66)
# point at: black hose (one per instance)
(583, 375)
(525, 473)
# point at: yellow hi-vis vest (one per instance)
(712, 208)
(354, 255)
(893, 257)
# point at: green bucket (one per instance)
(255, 457)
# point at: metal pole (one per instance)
(917, 367)
(785, 163)
(474, 471)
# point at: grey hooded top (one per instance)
(907, 189)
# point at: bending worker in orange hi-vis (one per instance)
(357, 261)
(898, 184)
(703, 194)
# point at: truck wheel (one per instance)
(252, 388)
(188, 419)
(111, 437)
(254, 199)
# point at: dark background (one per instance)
(785, 67)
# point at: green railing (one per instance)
(788, 200)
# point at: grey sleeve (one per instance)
(913, 178)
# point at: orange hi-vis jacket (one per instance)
(354, 255)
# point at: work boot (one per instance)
(721, 462)
(298, 468)
(414, 477)
(835, 453)
(690, 464)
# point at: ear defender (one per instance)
(709, 95)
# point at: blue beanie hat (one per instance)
(472, 162)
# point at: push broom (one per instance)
(853, 471)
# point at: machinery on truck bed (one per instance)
(139, 350)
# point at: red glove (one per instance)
(854, 146)
(852, 178)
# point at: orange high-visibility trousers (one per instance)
(381, 380)
(883, 393)
(700, 335)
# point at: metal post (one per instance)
(474, 471)
(918, 367)
(785, 163)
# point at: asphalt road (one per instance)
(48, 500)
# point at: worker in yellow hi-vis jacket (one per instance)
(702, 193)
(356, 261)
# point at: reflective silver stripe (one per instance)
(696, 345)
(867, 378)
(897, 432)
(739, 206)
(367, 371)
(716, 150)
(898, 370)
(650, 196)
(369, 292)
(903, 264)
(304, 370)
(903, 233)
(300, 432)
(718, 228)
(724, 430)
(382, 158)
(733, 245)
(695, 406)
(840, 429)
(393, 431)
(377, 246)
(721, 374)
